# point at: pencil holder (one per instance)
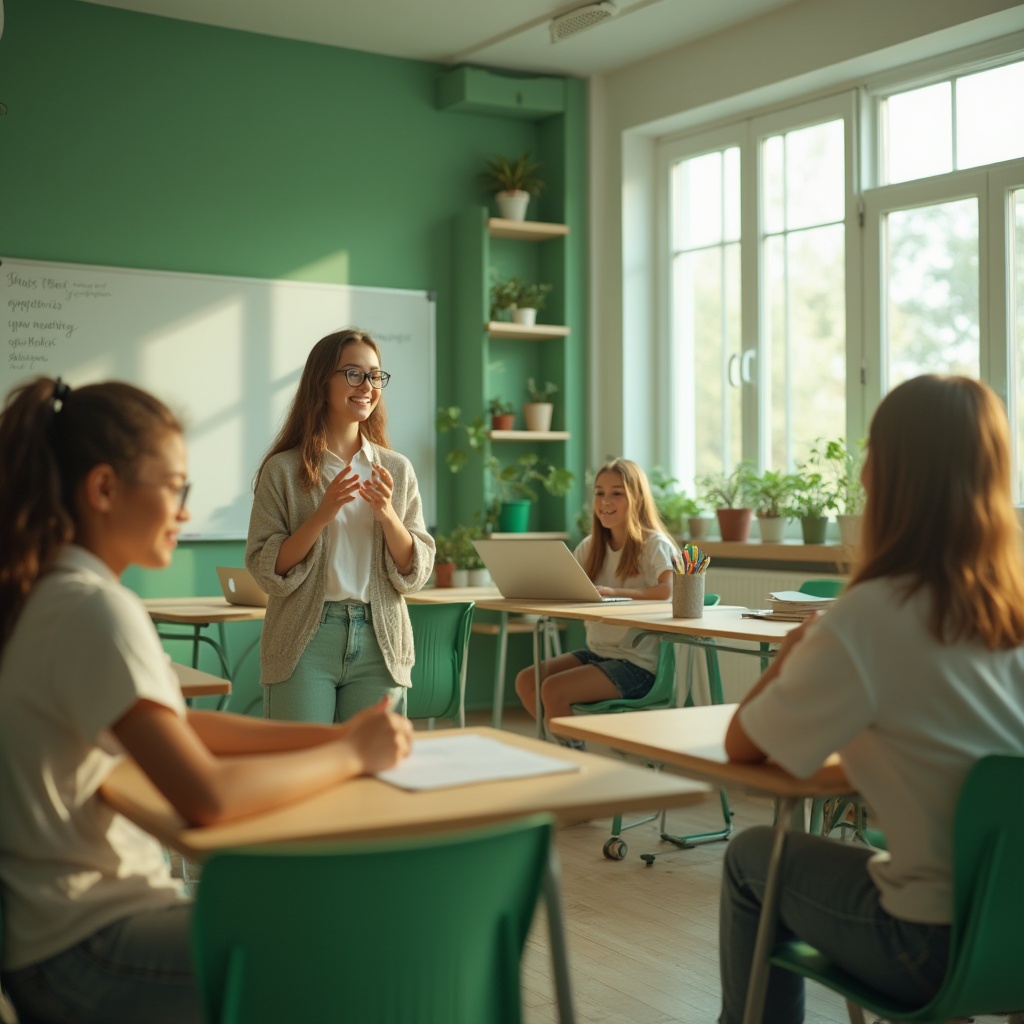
(687, 595)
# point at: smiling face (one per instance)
(348, 403)
(611, 501)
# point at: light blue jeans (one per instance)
(340, 672)
(826, 898)
(137, 969)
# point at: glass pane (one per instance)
(815, 179)
(773, 214)
(918, 133)
(697, 202)
(1016, 291)
(805, 281)
(931, 310)
(732, 194)
(989, 125)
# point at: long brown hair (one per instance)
(642, 519)
(51, 436)
(305, 426)
(939, 509)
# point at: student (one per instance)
(95, 929)
(336, 539)
(915, 673)
(628, 554)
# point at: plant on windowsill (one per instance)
(515, 490)
(846, 466)
(503, 414)
(513, 182)
(537, 412)
(770, 493)
(680, 513)
(812, 499)
(729, 495)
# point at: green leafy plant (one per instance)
(444, 548)
(514, 481)
(813, 496)
(771, 491)
(449, 418)
(496, 407)
(674, 506)
(515, 293)
(505, 174)
(540, 392)
(463, 553)
(533, 296)
(727, 490)
(845, 466)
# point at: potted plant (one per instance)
(449, 418)
(469, 571)
(727, 494)
(504, 296)
(680, 513)
(503, 415)
(532, 298)
(538, 411)
(513, 182)
(846, 467)
(770, 493)
(515, 491)
(811, 500)
(444, 559)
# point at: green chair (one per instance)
(424, 931)
(662, 694)
(822, 587)
(441, 638)
(984, 975)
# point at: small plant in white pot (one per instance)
(811, 502)
(529, 302)
(513, 182)
(846, 466)
(770, 492)
(538, 410)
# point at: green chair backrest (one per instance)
(440, 636)
(822, 588)
(424, 931)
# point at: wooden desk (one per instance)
(367, 808)
(200, 684)
(692, 740)
(200, 612)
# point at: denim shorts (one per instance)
(632, 681)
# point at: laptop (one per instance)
(239, 587)
(538, 570)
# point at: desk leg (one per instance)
(501, 663)
(538, 626)
(757, 988)
(556, 932)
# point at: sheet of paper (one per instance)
(465, 760)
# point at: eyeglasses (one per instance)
(378, 378)
(180, 492)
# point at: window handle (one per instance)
(733, 371)
(746, 361)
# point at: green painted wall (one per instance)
(139, 141)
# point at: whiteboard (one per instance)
(225, 353)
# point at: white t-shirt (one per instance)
(908, 715)
(617, 641)
(350, 535)
(83, 651)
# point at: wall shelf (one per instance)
(525, 230)
(529, 435)
(508, 331)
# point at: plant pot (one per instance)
(514, 517)
(503, 421)
(698, 526)
(813, 529)
(772, 528)
(443, 573)
(460, 578)
(479, 578)
(849, 530)
(512, 205)
(524, 315)
(538, 416)
(734, 523)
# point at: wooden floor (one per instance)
(643, 941)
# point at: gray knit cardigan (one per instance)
(296, 599)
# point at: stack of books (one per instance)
(789, 606)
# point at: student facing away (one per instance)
(336, 539)
(915, 673)
(95, 929)
(628, 554)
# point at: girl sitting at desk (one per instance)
(336, 538)
(95, 929)
(628, 554)
(914, 674)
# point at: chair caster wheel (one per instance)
(615, 849)
(648, 858)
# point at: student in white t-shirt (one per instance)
(627, 554)
(913, 675)
(95, 929)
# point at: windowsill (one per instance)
(755, 554)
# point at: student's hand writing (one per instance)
(377, 491)
(340, 491)
(381, 738)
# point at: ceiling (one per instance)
(488, 32)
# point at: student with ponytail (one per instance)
(93, 480)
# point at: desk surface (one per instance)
(200, 684)
(693, 740)
(724, 622)
(448, 595)
(200, 610)
(366, 808)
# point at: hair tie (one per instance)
(60, 394)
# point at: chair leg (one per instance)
(697, 838)
(501, 656)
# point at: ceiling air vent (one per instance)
(576, 20)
